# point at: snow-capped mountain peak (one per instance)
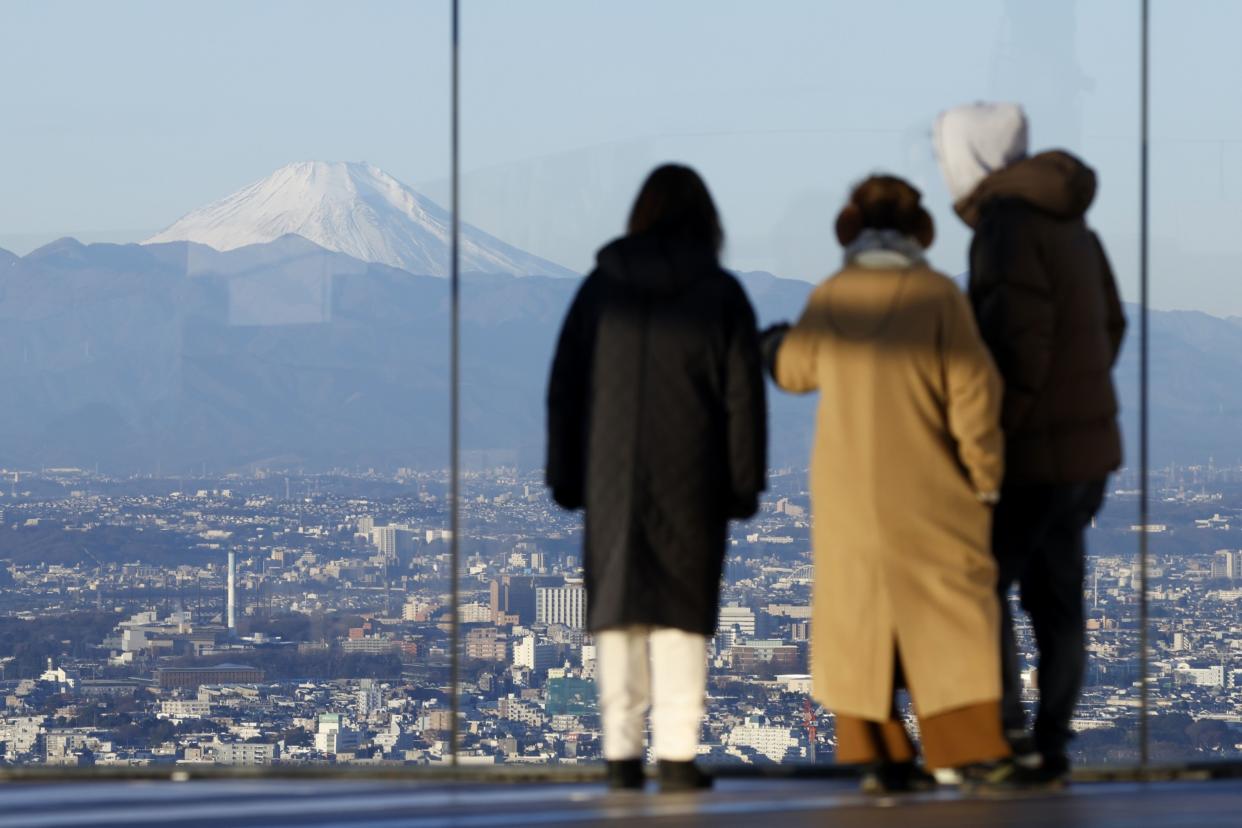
(354, 208)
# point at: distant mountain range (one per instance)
(283, 352)
(171, 356)
(1196, 390)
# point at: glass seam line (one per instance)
(455, 391)
(1144, 390)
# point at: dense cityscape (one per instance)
(276, 618)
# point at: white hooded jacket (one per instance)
(975, 140)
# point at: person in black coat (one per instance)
(1048, 307)
(657, 428)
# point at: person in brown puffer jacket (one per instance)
(1047, 305)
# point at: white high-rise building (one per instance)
(416, 609)
(232, 601)
(392, 540)
(370, 697)
(186, 708)
(1225, 564)
(474, 613)
(245, 753)
(333, 736)
(773, 742)
(1211, 676)
(532, 655)
(735, 624)
(590, 660)
(561, 605)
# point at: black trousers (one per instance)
(1037, 537)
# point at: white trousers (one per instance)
(651, 667)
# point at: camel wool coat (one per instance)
(907, 438)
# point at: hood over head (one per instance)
(656, 264)
(976, 140)
(1054, 182)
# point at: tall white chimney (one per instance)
(232, 609)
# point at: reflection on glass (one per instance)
(550, 159)
(225, 461)
(1196, 471)
(231, 388)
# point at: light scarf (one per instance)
(884, 249)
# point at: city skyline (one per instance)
(341, 645)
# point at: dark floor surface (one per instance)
(766, 803)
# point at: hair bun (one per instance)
(885, 202)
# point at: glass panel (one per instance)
(1196, 304)
(224, 437)
(781, 108)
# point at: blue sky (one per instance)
(119, 117)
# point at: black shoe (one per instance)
(896, 777)
(1025, 751)
(1054, 769)
(626, 775)
(678, 777)
(1005, 775)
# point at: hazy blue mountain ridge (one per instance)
(174, 356)
(1195, 395)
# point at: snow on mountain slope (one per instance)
(353, 208)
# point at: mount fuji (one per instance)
(353, 208)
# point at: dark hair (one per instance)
(885, 202)
(675, 202)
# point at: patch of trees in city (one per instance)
(291, 665)
(1173, 737)
(297, 626)
(128, 721)
(30, 643)
(50, 542)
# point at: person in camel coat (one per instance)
(907, 463)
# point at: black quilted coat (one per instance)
(657, 427)
(1047, 306)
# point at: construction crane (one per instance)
(808, 719)
(99, 568)
(91, 555)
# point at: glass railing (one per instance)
(228, 451)
(225, 435)
(1193, 559)
(781, 110)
